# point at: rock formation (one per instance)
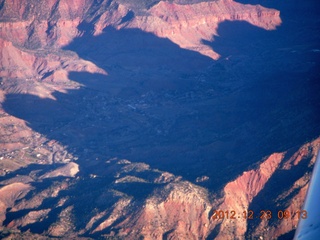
(176, 209)
(53, 187)
(31, 33)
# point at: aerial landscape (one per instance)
(154, 119)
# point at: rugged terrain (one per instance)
(132, 200)
(213, 103)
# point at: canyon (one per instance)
(127, 120)
(175, 209)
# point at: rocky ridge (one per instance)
(174, 208)
(31, 33)
(46, 193)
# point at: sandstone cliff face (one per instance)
(45, 193)
(174, 209)
(31, 33)
(183, 25)
(178, 211)
(26, 27)
(11, 193)
(182, 210)
(240, 193)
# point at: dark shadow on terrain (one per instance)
(289, 9)
(287, 236)
(214, 232)
(283, 68)
(167, 234)
(281, 181)
(277, 99)
(47, 203)
(177, 110)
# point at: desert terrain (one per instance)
(127, 120)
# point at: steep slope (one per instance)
(167, 206)
(183, 24)
(48, 26)
(89, 80)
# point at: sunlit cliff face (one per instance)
(212, 109)
(53, 24)
(183, 24)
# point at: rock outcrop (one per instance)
(240, 193)
(9, 194)
(55, 188)
(183, 24)
(27, 28)
(175, 208)
(68, 170)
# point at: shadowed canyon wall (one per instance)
(213, 103)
